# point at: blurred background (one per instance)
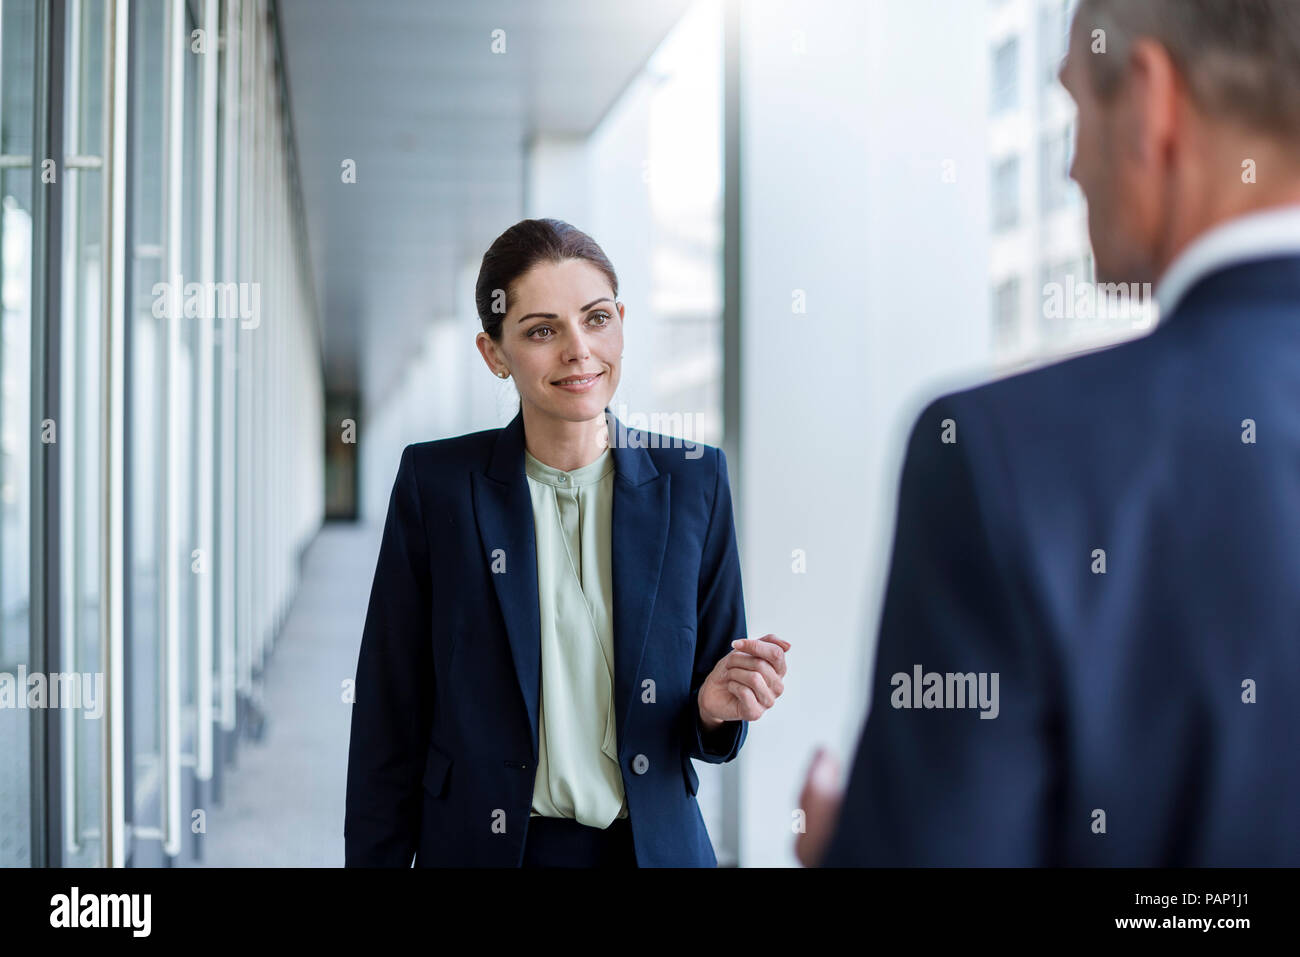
(238, 245)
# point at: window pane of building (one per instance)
(1006, 62)
(17, 69)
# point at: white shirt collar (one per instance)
(1260, 235)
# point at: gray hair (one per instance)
(1240, 58)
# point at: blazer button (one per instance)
(640, 764)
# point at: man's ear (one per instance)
(1150, 103)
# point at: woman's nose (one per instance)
(575, 347)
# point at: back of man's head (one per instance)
(1188, 116)
(1240, 58)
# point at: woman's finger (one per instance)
(750, 663)
(755, 683)
(767, 650)
(748, 703)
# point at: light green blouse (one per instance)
(578, 774)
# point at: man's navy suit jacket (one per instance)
(1159, 697)
(443, 753)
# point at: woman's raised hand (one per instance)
(745, 682)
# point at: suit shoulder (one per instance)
(1070, 424)
(686, 460)
(453, 452)
(1078, 387)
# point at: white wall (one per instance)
(843, 198)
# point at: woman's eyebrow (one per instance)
(551, 315)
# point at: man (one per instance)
(1089, 649)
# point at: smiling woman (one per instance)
(563, 339)
(559, 536)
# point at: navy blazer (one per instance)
(443, 753)
(1148, 706)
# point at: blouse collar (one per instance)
(588, 474)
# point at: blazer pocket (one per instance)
(688, 772)
(437, 768)
(684, 653)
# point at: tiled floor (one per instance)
(285, 798)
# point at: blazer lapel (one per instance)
(504, 511)
(642, 504)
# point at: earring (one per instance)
(502, 375)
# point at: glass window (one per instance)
(685, 197)
(146, 416)
(1006, 194)
(1006, 314)
(1066, 281)
(17, 70)
(188, 401)
(1053, 36)
(173, 370)
(1055, 185)
(81, 737)
(1006, 64)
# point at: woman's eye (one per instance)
(603, 316)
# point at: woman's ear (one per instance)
(491, 354)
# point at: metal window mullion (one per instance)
(70, 592)
(256, 341)
(173, 138)
(207, 267)
(278, 419)
(248, 145)
(230, 247)
(115, 315)
(46, 778)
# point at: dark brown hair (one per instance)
(519, 249)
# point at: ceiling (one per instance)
(437, 124)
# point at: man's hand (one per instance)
(745, 682)
(820, 800)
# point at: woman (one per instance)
(550, 633)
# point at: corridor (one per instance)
(284, 804)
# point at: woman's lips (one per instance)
(579, 386)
